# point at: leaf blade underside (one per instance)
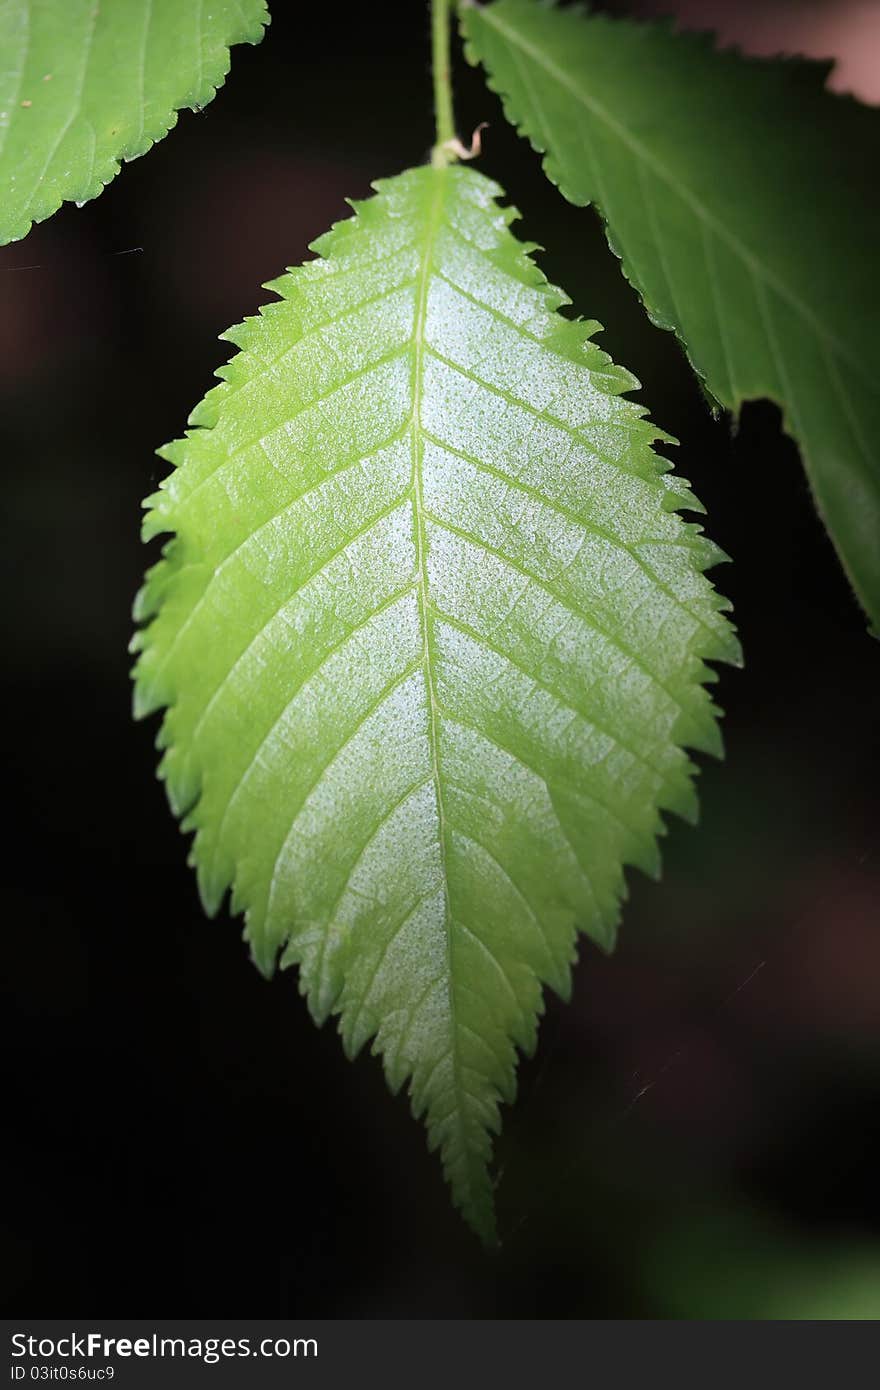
(738, 194)
(430, 636)
(84, 86)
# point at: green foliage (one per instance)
(739, 196)
(84, 85)
(431, 637)
(734, 1262)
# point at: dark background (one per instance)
(698, 1134)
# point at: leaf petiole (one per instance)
(443, 151)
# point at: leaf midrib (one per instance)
(641, 151)
(439, 178)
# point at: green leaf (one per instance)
(84, 85)
(431, 636)
(740, 196)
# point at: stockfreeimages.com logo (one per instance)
(94, 1346)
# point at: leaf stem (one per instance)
(440, 61)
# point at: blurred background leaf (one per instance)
(86, 85)
(738, 195)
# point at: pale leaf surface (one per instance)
(431, 636)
